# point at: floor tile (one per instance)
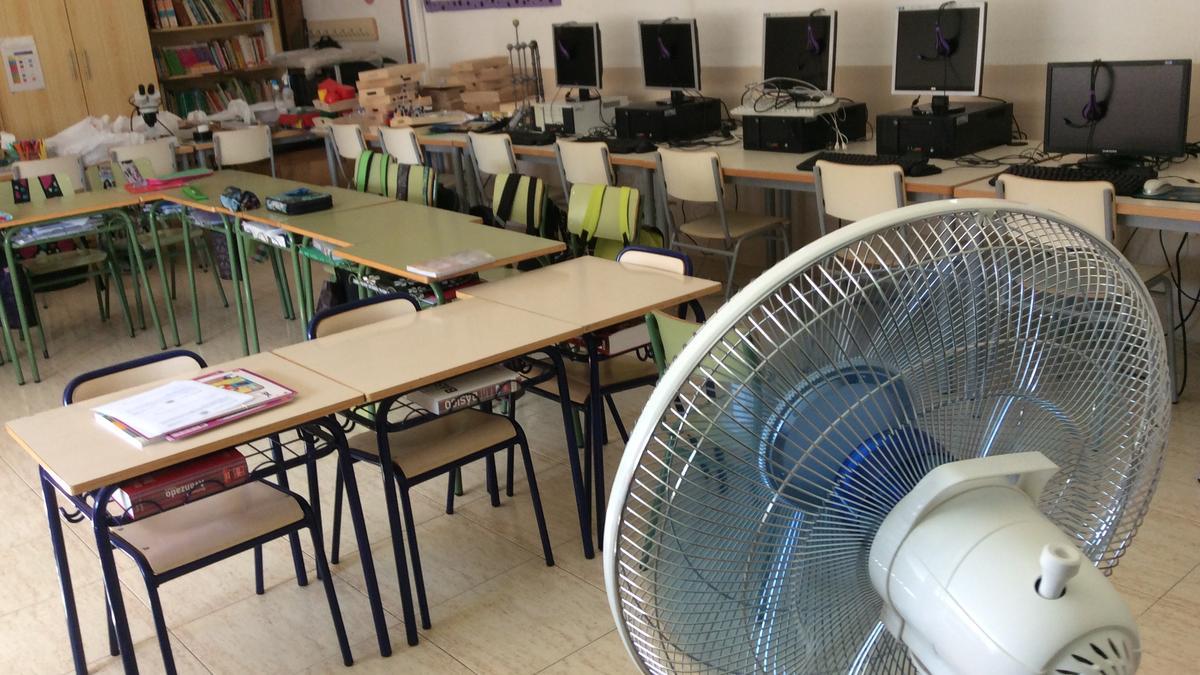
(606, 656)
(424, 659)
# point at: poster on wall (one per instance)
(459, 5)
(22, 67)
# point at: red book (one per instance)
(176, 485)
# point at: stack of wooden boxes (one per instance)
(487, 83)
(392, 90)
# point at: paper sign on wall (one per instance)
(22, 67)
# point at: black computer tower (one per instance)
(978, 127)
(665, 122)
(777, 133)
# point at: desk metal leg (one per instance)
(50, 497)
(112, 584)
(140, 262)
(247, 289)
(162, 275)
(14, 274)
(597, 431)
(394, 528)
(303, 289)
(235, 274)
(582, 503)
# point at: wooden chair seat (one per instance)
(202, 528)
(617, 370)
(67, 260)
(740, 225)
(445, 440)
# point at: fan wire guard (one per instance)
(751, 491)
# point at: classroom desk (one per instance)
(78, 458)
(594, 293)
(50, 210)
(391, 357)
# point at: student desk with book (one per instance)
(593, 294)
(85, 462)
(39, 212)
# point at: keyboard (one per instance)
(905, 162)
(1126, 182)
(530, 137)
(622, 146)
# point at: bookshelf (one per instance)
(209, 51)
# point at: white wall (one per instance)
(388, 17)
(1019, 31)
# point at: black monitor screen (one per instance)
(939, 49)
(1143, 107)
(670, 54)
(800, 47)
(577, 61)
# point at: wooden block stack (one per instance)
(384, 91)
(444, 97)
(487, 83)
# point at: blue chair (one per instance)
(426, 446)
(175, 542)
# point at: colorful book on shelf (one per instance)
(176, 485)
(180, 409)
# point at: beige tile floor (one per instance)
(496, 606)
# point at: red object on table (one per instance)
(334, 91)
(298, 120)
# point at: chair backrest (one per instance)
(380, 173)
(160, 152)
(401, 143)
(244, 146)
(851, 192)
(659, 258)
(360, 313)
(348, 140)
(110, 174)
(691, 175)
(37, 193)
(583, 162)
(1087, 203)
(519, 200)
(603, 218)
(493, 153)
(70, 166)
(179, 363)
(668, 335)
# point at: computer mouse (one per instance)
(1155, 187)
(926, 169)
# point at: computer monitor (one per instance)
(670, 55)
(577, 60)
(800, 47)
(939, 50)
(1118, 109)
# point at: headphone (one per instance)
(943, 46)
(1096, 108)
(812, 42)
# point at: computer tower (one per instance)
(577, 118)
(978, 127)
(665, 122)
(795, 133)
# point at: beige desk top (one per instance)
(398, 355)
(593, 293)
(83, 456)
(78, 204)
(366, 222)
(420, 239)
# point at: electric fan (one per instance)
(891, 452)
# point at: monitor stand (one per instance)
(1108, 162)
(585, 94)
(678, 98)
(940, 106)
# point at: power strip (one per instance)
(344, 30)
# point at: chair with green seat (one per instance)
(57, 255)
(602, 220)
(668, 335)
(519, 201)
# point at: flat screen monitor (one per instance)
(800, 47)
(670, 54)
(1139, 107)
(939, 48)
(577, 61)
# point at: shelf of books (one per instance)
(208, 52)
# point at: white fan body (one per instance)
(975, 579)
(840, 472)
